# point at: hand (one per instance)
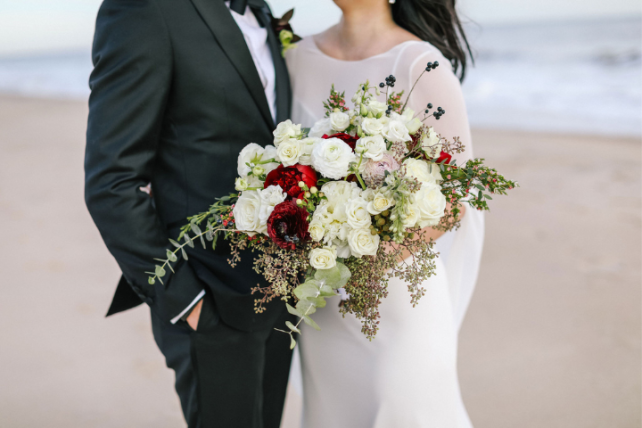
(195, 315)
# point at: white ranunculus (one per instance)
(341, 191)
(284, 131)
(307, 144)
(396, 132)
(372, 147)
(431, 143)
(431, 204)
(250, 154)
(339, 121)
(270, 197)
(323, 258)
(363, 243)
(320, 128)
(380, 202)
(332, 158)
(247, 211)
(377, 108)
(289, 152)
(372, 126)
(418, 169)
(316, 230)
(357, 213)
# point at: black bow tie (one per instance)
(239, 6)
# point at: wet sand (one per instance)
(552, 337)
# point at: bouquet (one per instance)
(330, 210)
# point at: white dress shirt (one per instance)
(256, 40)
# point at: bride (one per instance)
(407, 376)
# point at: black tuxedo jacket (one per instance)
(175, 96)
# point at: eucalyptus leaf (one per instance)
(174, 243)
(306, 307)
(318, 302)
(151, 280)
(310, 288)
(160, 272)
(292, 342)
(292, 310)
(336, 277)
(184, 253)
(188, 241)
(310, 322)
(171, 256)
(292, 327)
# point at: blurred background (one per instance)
(552, 337)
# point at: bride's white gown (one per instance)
(407, 376)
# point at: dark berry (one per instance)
(429, 105)
(381, 85)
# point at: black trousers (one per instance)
(227, 378)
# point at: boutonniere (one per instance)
(283, 28)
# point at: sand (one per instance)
(552, 337)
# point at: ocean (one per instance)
(563, 77)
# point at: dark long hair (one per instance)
(436, 22)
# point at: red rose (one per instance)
(346, 138)
(288, 177)
(288, 225)
(443, 156)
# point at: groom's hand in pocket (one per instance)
(195, 315)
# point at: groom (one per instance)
(178, 89)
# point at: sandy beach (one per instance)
(552, 337)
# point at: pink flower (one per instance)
(375, 171)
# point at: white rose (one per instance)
(247, 211)
(411, 216)
(372, 126)
(289, 152)
(320, 128)
(342, 247)
(241, 184)
(418, 169)
(431, 204)
(380, 202)
(332, 158)
(363, 243)
(316, 230)
(269, 153)
(372, 147)
(249, 155)
(270, 197)
(431, 143)
(377, 108)
(307, 144)
(396, 132)
(285, 131)
(413, 125)
(357, 213)
(323, 258)
(339, 121)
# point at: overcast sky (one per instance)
(39, 26)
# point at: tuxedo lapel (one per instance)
(222, 25)
(283, 92)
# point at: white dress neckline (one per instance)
(316, 48)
